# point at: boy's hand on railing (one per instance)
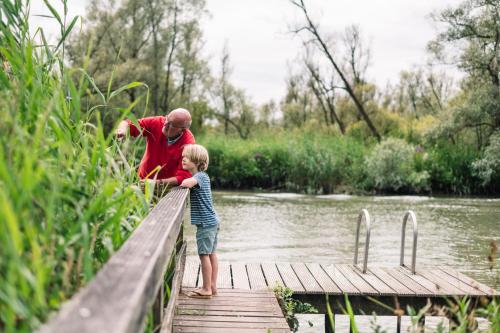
(190, 182)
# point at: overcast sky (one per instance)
(260, 45)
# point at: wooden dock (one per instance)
(144, 284)
(333, 279)
(232, 310)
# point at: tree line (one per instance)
(160, 43)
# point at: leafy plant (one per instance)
(291, 306)
(391, 167)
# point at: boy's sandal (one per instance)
(197, 294)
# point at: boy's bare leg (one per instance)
(215, 269)
(206, 272)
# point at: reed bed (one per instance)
(68, 194)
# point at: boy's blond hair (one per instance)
(198, 155)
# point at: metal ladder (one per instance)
(365, 216)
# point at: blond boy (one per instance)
(203, 215)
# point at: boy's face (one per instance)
(188, 165)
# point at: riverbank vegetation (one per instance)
(316, 162)
(444, 128)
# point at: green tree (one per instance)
(473, 28)
(320, 42)
(419, 92)
(157, 42)
(298, 105)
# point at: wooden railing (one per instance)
(131, 284)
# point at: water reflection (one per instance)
(287, 227)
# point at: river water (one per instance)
(287, 227)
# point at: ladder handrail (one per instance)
(408, 214)
(364, 213)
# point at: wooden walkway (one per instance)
(232, 310)
(339, 279)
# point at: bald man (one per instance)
(165, 139)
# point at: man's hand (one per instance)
(122, 129)
(119, 133)
(190, 182)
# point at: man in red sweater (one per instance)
(166, 137)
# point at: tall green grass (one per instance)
(67, 193)
(320, 162)
(293, 161)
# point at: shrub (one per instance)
(291, 306)
(391, 167)
(488, 167)
(450, 168)
(304, 162)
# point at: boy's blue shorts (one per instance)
(206, 239)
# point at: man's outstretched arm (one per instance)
(172, 181)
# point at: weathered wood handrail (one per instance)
(122, 293)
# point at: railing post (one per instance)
(410, 214)
(364, 213)
(158, 308)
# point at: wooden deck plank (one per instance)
(240, 277)
(234, 325)
(471, 282)
(230, 291)
(398, 287)
(223, 301)
(226, 307)
(224, 279)
(429, 285)
(187, 311)
(236, 307)
(190, 272)
(468, 290)
(445, 284)
(289, 277)
(223, 276)
(306, 278)
(350, 273)
(256, 277)
(242, 319)
(323, 279)
(236, 293)
(340, 280)
(218, 299)
(272, 275)
(178, 329)
(409, 283)
(379, 285)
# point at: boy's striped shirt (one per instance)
(202, 209)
